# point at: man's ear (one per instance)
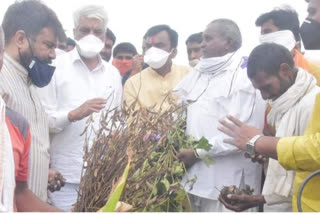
(228, 45)
(286, 71)
(20, 39)
(174, 53)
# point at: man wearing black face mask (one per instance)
(31, 30)
(310, 29)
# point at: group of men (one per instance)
(48, 97)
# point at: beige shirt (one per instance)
(149, 88)
(20, 95)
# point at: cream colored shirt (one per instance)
(152, 89)
(20, 95)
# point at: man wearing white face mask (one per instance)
(83, 84)
(219, 86)
(280, 19)
(151, 86)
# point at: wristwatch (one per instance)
(251, 145)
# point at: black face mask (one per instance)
(310, 34)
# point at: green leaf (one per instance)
(166, 184)
(203, 143)
(111, 204)
(208, 160)
(181, 194)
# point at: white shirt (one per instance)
(72, 85)
(229, 92)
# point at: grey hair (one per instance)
(229, 30)
(91, 11)
(1, 38)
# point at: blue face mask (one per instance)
(39, 71)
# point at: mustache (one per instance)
(46, 61)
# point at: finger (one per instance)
(235, 120)
(227, 125)
(95, 109)
(234, 197)
(98, 100)
(98, 106)
(227, 205)
(227, 131)
(239, 198)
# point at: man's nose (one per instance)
(52, 54)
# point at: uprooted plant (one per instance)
(154, 137)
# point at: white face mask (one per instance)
(282, 37)
(156, 58)
(194, 62)
(90, 46)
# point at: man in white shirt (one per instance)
(219, 86)
(83, 84)
(291, 93)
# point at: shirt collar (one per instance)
(18, 68)
(157, 75)
(75, 57)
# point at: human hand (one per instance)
(239, 203)
(87, 108)
(55, 181)
(188, 157)
(137, 63)
(261, 159)
(239, 132)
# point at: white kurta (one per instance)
(71, 86)
(229, 92)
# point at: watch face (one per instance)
(250, 148)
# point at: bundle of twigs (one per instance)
(154, 138)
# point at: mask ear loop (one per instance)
(30, 48)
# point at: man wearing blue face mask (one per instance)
(31, 30)
(152, 84)
(83, 85)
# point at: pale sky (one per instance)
(130, 19)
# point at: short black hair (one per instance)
(268, 57)
(173, 35)
(71, 42)
(124, 47)
(284, 19)
(31, 16)
(111, 36)
(194, 38)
